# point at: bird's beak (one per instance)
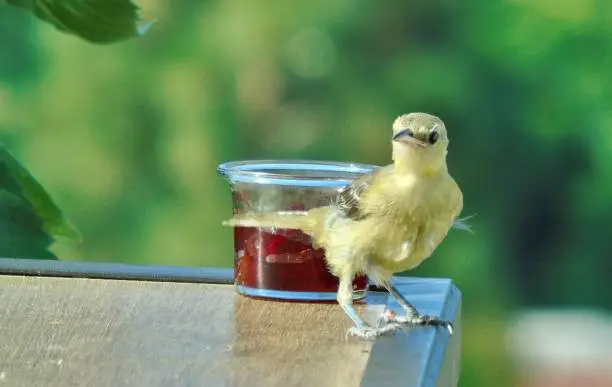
(406, 137)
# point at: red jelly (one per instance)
(284, 261)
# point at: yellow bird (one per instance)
(384, 222)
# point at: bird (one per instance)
(384, 222)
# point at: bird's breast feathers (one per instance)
(422, 212)
(408, 198)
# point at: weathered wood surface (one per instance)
(100, 332)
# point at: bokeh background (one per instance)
(126, 137)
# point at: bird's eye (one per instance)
(433, 137)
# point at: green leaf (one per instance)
(21, 231)
(96, 21)
(24, 198)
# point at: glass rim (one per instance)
(258, 171)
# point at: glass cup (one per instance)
(282, 263)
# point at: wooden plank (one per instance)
(71, 331)
(414, 357)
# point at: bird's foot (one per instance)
(390, 317)
(369, 333)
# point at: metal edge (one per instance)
(453, 369)
(115, 271)
(383, 370)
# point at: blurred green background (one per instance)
(126, 137)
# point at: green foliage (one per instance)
(96, 21)
(29, 219)
(17, 181)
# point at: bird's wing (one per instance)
(350, 198)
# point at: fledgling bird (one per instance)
(384, 222)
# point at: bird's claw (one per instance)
(433, 321)
(391, 317)
(370, 333)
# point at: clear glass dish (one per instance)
(281, 263)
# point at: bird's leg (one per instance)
(412, 316)
(361, 329)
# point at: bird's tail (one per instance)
(462, 224)
(310, 222)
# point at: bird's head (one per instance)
(420, 141)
